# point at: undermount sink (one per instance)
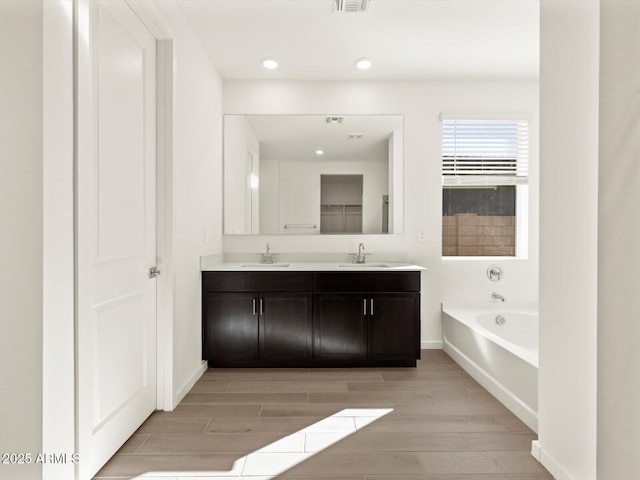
(265, 265)
(364, 265)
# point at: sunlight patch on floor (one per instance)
(282, 455)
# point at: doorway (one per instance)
(341, 203)
(119, 352)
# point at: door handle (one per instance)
(364, 306)
(372, 306)
(261, 306)
(253, 303)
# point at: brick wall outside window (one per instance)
(470, 234)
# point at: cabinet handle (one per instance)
(261, 307)
(372, 306)
(253, 302)
(364, 303)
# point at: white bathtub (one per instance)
(502, 358)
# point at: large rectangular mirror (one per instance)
(313, 174)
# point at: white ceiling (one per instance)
(406, 39)
(297, 137)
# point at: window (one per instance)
(484, 183)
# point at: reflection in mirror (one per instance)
(341, 203)
(313, 174)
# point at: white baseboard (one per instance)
(189, 384)
(431, 345)
(549, 462)
(535, 449)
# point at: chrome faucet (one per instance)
(268, 257)
(497, 296)
(360, 257)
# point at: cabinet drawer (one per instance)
(367, 282)
(257, 281)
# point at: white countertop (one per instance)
(310, 267)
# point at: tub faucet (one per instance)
(497, 296)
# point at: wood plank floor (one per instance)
(433, 422)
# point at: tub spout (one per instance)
(497, 296)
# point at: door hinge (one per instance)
(153, 272)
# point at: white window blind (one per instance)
(485, 152)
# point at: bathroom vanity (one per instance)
(311, 316)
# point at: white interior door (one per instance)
(116, 325)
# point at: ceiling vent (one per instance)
(332, 120)
(350, 6)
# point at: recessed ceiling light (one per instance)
(269, 63)
(363, 63)
(319, 152)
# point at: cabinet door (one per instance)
(230, 328)
(339, 326)
(285, 326)
(394, 322)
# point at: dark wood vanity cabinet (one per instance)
(394, 333)
(256, 318)
(367, 318)
(285, 327)
(339, 327)
(230, 328)
(304, 319)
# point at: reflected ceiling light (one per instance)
(319, 152)
(269, 63)
(363, 63)
(254, 181)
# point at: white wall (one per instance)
(421, 104)
(21, 217)
(58, 396)
(619, 242)
(197, 188)
(568, 237)
(396, 167)
(269, 195)
(299, 191)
